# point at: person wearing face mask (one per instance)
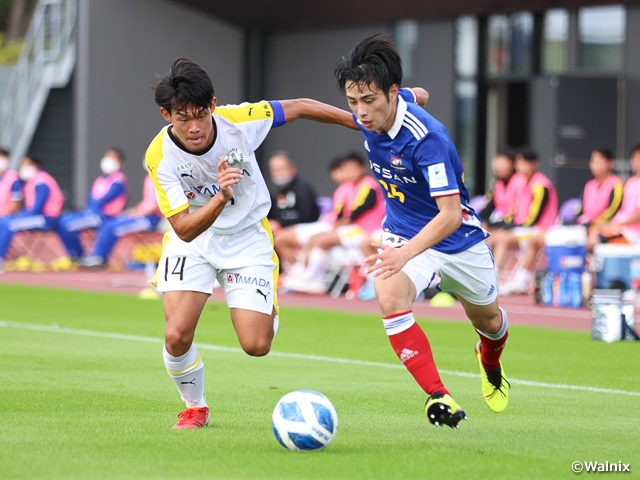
(293, 200)
(43, 200)
(106, 201)
(144, 217)
(11, 195)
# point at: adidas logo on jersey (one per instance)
(407, 354)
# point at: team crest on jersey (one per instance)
(235, 156)
(185, 169)
(396, 163)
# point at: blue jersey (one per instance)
(415, 162)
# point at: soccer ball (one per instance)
(304, 420)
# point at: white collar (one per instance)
(400, 112)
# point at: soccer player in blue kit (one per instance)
(429, 229)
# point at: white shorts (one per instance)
(470, 274)
(351, 236)
(244, 263)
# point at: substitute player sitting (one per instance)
(211, 189)
(429, 228)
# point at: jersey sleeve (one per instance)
(169, 193)
(540, 198)
(255, 120)
(434, 156)
(408, 95)
(16, 191)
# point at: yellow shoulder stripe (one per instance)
(246, 112)
(154, 156)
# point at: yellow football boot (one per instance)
(495, 387)
(441, 409)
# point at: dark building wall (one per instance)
(53, 140)
(123, 46)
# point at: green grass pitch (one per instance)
(91, 399)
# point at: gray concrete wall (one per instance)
(123, 46)
(435, 69)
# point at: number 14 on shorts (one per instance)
(174, 266)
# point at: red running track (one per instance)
(521, 309)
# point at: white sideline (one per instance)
(366, 363)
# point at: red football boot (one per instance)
(193, 418)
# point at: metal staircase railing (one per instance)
(47, 61)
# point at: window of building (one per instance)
(601, 37)
(509, 44)
(466, 114)
(466, 47)
(555, 36)
(406, 33)
(466, 92)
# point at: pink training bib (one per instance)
(596, 197)
(6, 182)
(630, 203)
(53, 205)
(102, 185)
(525, 198)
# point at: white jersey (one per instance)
(188, 180)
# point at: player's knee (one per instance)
(487, 320)
(391, 303)
(257, 347)
(177, 340)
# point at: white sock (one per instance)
(523, 276)
(276, 324)
(187, 372)
(318, 264)
(503, 329)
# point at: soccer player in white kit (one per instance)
(211, 190)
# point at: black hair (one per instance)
(604, 151)
(34, 159)
(186, 86)
(4, 152)
(508, 152)
(528, 154)
(339, 161)
(634, 149)
(372, 62)
(119, 152)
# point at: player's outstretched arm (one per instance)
(422, 96)
(309, 109)
(189, 225)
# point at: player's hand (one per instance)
(387, 262)
(227, 178)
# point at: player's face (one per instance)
(502, 167)
(193, 127)
(599, 165)
(352, 170)
(526, 167)
(281, 169)
(4, 163)
(371, 106)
